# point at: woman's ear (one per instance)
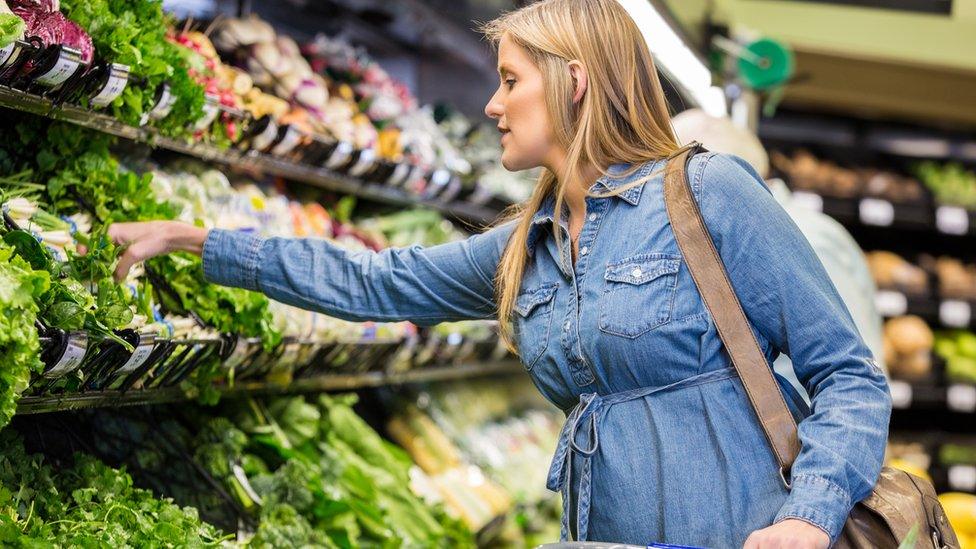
(580, 81)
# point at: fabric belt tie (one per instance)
(583, 423)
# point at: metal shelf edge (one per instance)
(320, 177)
(338, 382)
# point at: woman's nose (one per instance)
(494, 108)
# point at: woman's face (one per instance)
(519, 106)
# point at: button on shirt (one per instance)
(662, 445)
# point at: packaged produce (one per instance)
(908, 343)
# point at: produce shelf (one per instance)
(319, 177)
(937, 312)
(876, 212)
(331, 382)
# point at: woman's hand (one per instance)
(788, 534)
(148, 239)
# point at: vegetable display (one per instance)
(952, 184)
(134, 33)
(87, 505)
(317, 474)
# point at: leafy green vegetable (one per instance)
(20, 287)
(133, 32)
(87, 505)
(231, 310)
(11, 28)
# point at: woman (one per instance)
(599, 300)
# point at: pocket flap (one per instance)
(643, 268)
(531, 299)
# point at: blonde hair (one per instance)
(622, 118)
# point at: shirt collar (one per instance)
(615, 179)
(610, 182)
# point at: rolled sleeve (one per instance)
(817, 501)
(230, 258)
(449, 282)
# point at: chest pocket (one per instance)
(533, 321)
(639, 294)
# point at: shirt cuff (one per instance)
(817, 501)
(230, 258)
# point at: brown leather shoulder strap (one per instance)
(733, 327)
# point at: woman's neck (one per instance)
(577, 190)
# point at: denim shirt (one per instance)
(661, 443)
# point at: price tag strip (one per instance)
(288, 142)
(367, 158)
(113, 88)
(139, 356)
(891, 303)
(163, 107)
(340, 155)
(400, 172)
(211, 108)
(74, 354)
(68, 63)
(266, 138)
(952, 220)
(874, 211)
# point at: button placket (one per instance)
(579, 366)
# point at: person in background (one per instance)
(836, 248)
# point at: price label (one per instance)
(340, 155)
(400, 172)
(955, 313)
(961, 398)
(288, 142)
(73, 354)
(875, 211)
(117, 80)
(952, 220)
(241, 350)
(901, 394)
(62, 70)
(365, 162)
(808, 200)
(138, 358)
(264, 139)
(164, 105)
(962, 477)
(7, 52)
(210, 111)
(891, 303)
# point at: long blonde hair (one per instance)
(622, 118)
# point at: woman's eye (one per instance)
(510, 82)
